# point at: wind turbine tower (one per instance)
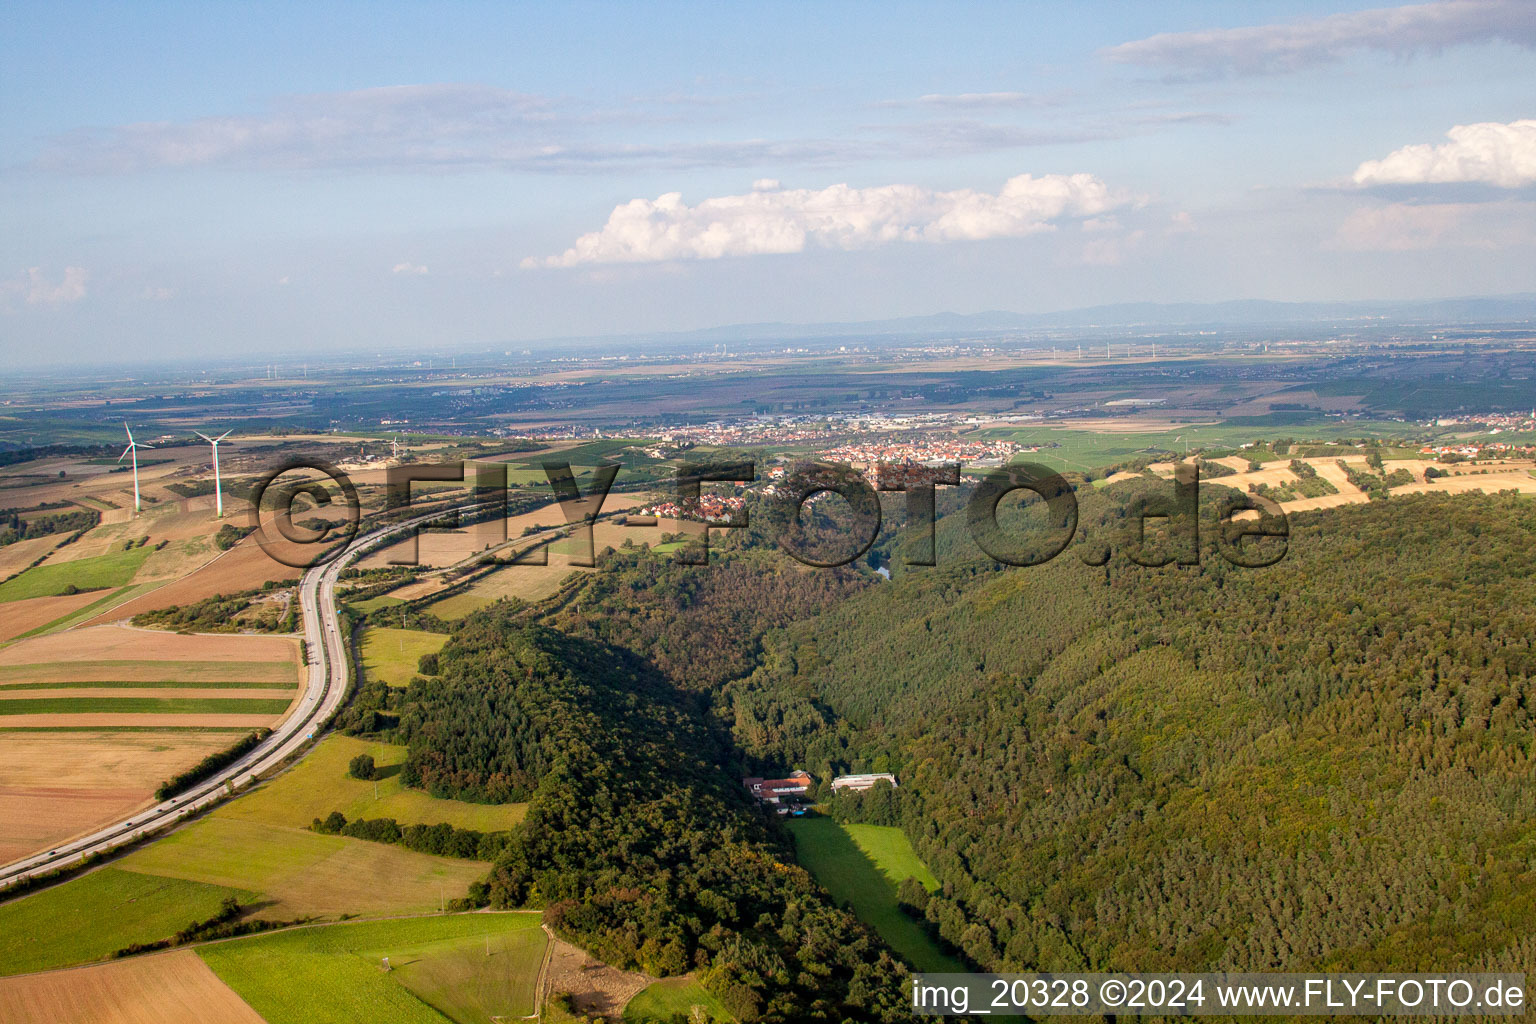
(218, 492)
(133, 449)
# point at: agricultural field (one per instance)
(98, 572)
(300, 873)
(861, 865)
(94, 915)
(661, 1002)
(36, 613)
(243, 567)
(442, 548)
(57, 785)
(1278, 477)
(1067, 448)
(465, 968)
(174, 986)
(530, 583)
(16, 557)
(94, 719)
(319, 784)
(372, 604)
(391, 655)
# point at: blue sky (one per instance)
(194, 180)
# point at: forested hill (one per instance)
(1322, 764)
(639, 840)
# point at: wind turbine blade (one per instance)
(204, 436)
(123, 456)
(226, 433)
(146, 447)
(130, 431)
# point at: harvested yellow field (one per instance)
(1329, 470)
(531, 583)
(1488, 483)
(100, 643)
(175, 986)
(16, 557)
(441, 549)
(56, 785)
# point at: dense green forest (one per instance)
(639, 843)
(1326, 763)
(1321, 764)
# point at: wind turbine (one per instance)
(394, 446)
(133, 449)
(218, 493)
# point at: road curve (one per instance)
(326, 689)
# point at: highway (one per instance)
(326, 688)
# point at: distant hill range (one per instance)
(1503, 309)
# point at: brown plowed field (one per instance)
(24, 616)
(243, 567)
(160, 989)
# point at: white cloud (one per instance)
(409, 268)
(39, 291)
(1289, 46)
(837, 217)
(1488, 154)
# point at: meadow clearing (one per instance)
(319, 784)
(175, 986)
(391, 655)
(861, 865)
(300, 873)
(92, 720)
(465, 968)
(661, 1001)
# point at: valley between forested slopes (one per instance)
(1324, 764)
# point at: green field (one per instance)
(860, 868)
(96, 914)
(142, 705)
(302, 873)
(391, 654)
(334, 974)
(661, 1002)
(319, 784)
(245, 673)
(113, 598)
(111, 570)
(1082, 450)
(374, 603)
